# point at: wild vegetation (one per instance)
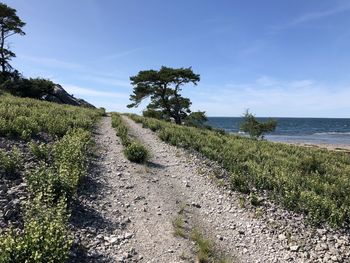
(10, 163)
(206, 252)
(28, 118)
(134, 151)
(306, 180)
(60, 150)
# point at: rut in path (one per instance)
(126, 210)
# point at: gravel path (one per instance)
(125, 212)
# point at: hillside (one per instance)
(70, 194)
(44, 151)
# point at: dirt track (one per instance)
(126, 210)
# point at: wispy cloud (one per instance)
(85, 73)
(52, 62)
(107, 81)
(82, 91)
(121, 54)
(319, 15)
(268, 96)
(312, 16)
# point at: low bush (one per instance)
(136, 152)
(41, 151)
(10, 163)
(69, 165)
(45, 237)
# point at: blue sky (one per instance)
(278, 58)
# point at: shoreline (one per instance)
(328, 146)
(339, 147)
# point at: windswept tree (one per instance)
(10, 24)
(163, 87)
(254, 128)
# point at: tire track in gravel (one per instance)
(238, 232)
(125, 210)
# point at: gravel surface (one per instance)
(125, 211)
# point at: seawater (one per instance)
(296, 130)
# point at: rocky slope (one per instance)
(60, 95)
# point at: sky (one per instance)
(276, 58)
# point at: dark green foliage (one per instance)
(136, 152)
(10, 163)
(240, 183)
(163, 87)
(313, 181)
(196, 119)
(10, 24)
(41, 151)
(31, 88)
(254, 200)
(152, 113)
(311, 164)
(254, 128)
(102, 111)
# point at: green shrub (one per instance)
(254, 200)
(70, 157)
(10, 163)
(45, 238)
(133, 150)
(69, 165)
(136, 152)
(41, 151)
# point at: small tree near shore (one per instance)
(254, 128)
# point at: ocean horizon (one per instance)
(334, 131)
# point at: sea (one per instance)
(331, 131)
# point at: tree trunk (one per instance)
(177, 116)
(2, 52)
(177, 119)
(165, 100)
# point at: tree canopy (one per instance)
(32, 88)
(163, 87)
(10, 24)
